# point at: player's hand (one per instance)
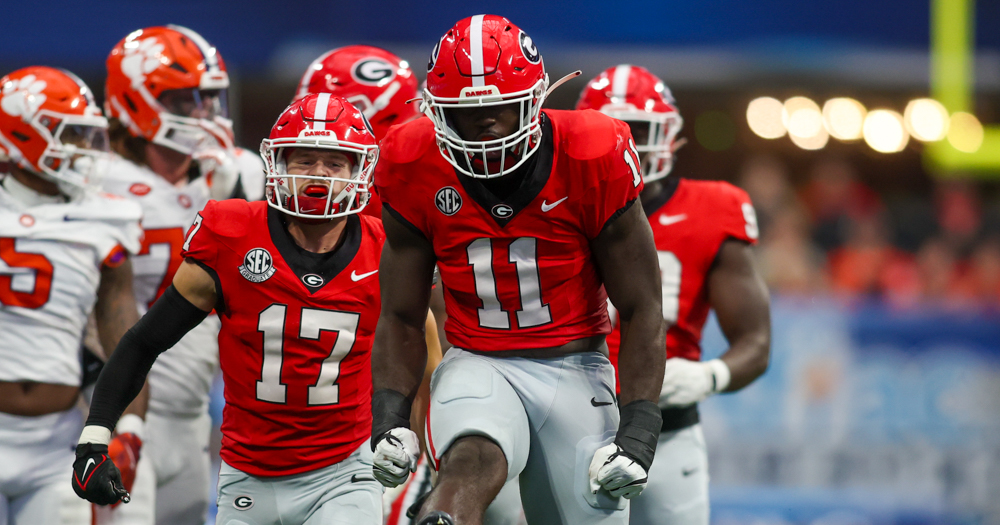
(95, 476)
(688, 382)
(396, 455)
(124, 452)
(220, 169)
(613, 470)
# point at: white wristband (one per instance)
(130, 423)
(720, 372)
(95, 434)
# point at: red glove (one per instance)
(124, 452)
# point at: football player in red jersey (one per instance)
(703, 232)
(383, 87)
(530, 217)
(294, 280)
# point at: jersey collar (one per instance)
(303, 262)
(669, 187)
(539, 168)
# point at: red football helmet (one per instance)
(324, 121)
(486, 60)
(51, 126)
(634, 95)
(372, 79)
(168, 85)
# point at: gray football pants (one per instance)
(344, 493)
(548, 416)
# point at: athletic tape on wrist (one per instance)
(131, 424)
(95, 434)
(639, 431)
(720, 374)
(390, 409)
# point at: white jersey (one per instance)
(251, 173)
(181, 377)
(50, 269)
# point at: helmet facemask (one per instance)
(77, 145)
(315, 198)
(490, 158)
(191, 117)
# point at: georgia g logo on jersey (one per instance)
(258, 266)
(372, 71)
(528, 48)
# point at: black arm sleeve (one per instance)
(164, 324)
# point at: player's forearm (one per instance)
(124, 375)
(747, 358)
(642, 356)
(399, 356)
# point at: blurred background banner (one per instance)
(867, 134)
(868, 415)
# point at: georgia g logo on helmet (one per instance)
(528, 48)
(372, 71)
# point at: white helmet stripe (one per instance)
(322, 102)
(207, 50)
(619, 82)
(476, 50)
(310, 71)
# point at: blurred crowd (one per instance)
(825, 231)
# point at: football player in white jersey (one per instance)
(64, 253)
(165, 97)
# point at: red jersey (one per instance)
(689, 228)
(296, 338)
(517, 273)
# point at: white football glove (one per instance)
(688, 382)
(221, 171)
(396, 457)
(616, 472)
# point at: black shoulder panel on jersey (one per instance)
(402, 220)
(220, 298)
(614, 216)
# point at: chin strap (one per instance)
(562, 81)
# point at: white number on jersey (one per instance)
(633, 162)
(750, 216)
(314, 322)
(522, 253)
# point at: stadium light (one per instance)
(884, 131)
(815, 142)
(966, 132)
(764, 118)
(802, 117)
(926, 119)
(844, 118)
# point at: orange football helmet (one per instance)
(51, 126)
(168, 85)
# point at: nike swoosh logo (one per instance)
(688, 471)
(356, 478)
(90, 463)
(596, 403)
(69, 219)
(667, 220)
(546, 206)
(355, 277)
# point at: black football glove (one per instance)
(95, 477)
